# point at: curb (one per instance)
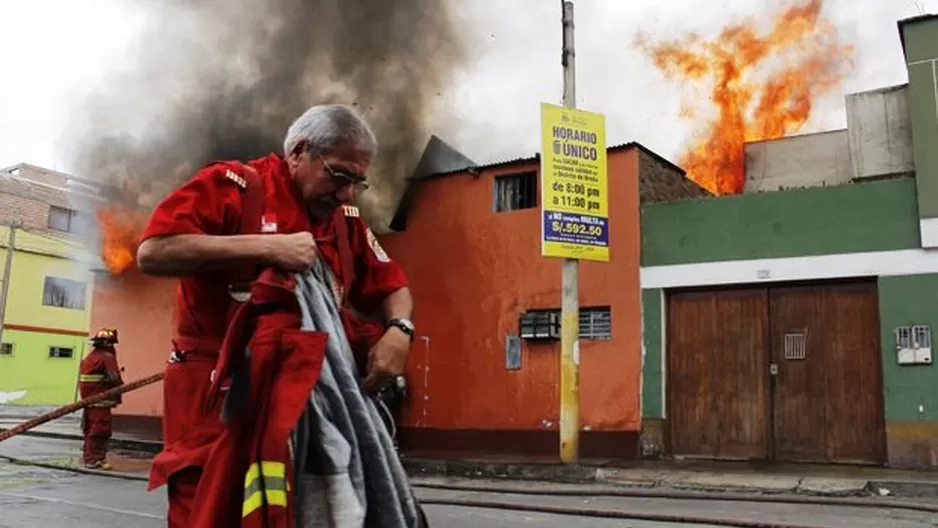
(906, 488)
(548, 472)
(75, 469)
(421, 467)
(142, 446)
(509, 471)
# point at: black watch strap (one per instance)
(404, 325)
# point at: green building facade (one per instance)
(881, 230)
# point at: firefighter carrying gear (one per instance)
(99, 372)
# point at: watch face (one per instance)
(405, 323)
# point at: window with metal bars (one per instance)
(595, 323)
(913, 336)
(64, 293)
(796, 345)
(61, 352)
(6, 349)
(516, 191)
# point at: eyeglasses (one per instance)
(341, 179)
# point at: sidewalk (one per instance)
(69, 428)
(823, 480)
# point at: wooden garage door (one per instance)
(717, 378)
(790, 373)
(828, 389)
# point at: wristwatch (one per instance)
(404, 325)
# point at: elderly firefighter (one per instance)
(268, 418)
(98, 373)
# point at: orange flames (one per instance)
(121, 227)
(752, 104)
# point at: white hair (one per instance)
(326, 127)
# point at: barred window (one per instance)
(913, 336)
(516, 191)
(64, 293)
(6, 349)
(596, 323)
(61, 352)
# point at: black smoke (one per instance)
(213, 79)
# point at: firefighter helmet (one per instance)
(105, 337)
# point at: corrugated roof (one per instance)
(399, 222)
(536, 157)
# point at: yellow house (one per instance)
(48, 310)
(48, 302)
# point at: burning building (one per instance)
(469, 238)
(784, 320)
(762, 86)
(792, 321)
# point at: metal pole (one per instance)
(5, 291)
(570, 309)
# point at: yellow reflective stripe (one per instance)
(274, 498)
(91, 377)
(269, 469)
(265, 482)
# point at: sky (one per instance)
(54, 54)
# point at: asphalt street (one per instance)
(38, 497)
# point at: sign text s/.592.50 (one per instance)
(574, 184)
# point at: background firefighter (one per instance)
(99, 372)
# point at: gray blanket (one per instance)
(348, 471)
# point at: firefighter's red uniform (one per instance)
(98, 373)
(248, 476)
(214, 202)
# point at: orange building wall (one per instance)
(473, 272)
(141, 308)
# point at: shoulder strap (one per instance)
(252, 201)
(346, 257)
(252, 209)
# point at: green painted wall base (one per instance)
(652, 348)
(911, 444)
(911, 391)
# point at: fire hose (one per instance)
(134, 385)
(79, 405)
(387, 415)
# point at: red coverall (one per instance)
(248, 476)
(211, 203)
(99, 372)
